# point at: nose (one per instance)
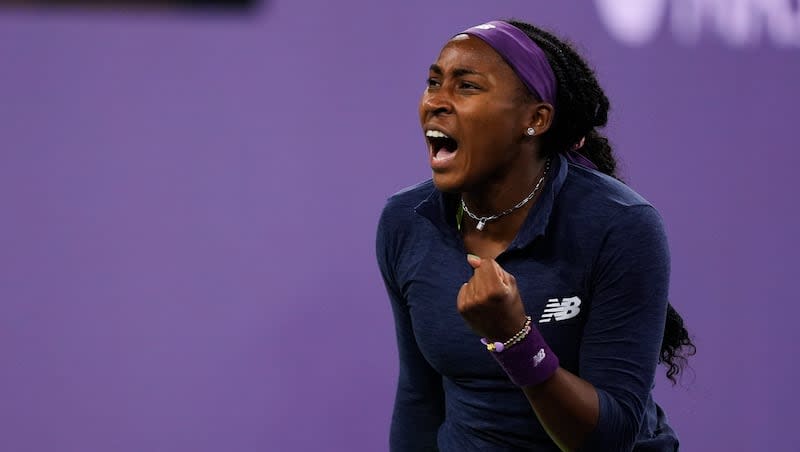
(436, 103)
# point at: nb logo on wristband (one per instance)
(563, 309)
(539, 357)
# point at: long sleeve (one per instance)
(622, 337)
(419, 401)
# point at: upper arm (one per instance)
(419, 401)
(622, 337)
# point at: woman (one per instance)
(528, 284)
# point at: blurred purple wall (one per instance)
(188, 209)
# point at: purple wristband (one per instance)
(530, 361)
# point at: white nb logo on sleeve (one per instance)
(563, 309)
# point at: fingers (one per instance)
(490, 272)
(464, 299)
(489, 279)
(489, 301)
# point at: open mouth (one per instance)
(443, 146)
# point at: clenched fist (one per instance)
(490, 301)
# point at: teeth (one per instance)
(435, 134)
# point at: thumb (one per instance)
(474, 261)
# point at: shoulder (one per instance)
(398, 216)
(601, 188)
(603, 200)
(625, 225)
(411, 196)
(400, 206)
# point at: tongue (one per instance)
(444, 154)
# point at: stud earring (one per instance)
(531, 131)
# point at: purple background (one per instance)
(189, 203)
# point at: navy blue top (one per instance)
(593, 251)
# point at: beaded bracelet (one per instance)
(500, 346)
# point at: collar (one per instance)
(440, 208)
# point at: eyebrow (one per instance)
(457, 72)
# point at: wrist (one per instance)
(497, 346)
(502, 330)
(529, 361)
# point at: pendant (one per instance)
(481, 224)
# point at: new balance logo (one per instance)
(564, 309)
(539, 357)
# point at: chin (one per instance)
(447, 183)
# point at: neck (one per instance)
(498, 196)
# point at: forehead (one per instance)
(465, 51)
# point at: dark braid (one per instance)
(581, 108)
(676, 337)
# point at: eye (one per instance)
(431, 82)
(468, 86)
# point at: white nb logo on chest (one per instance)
(563, 309)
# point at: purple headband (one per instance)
(522, 54)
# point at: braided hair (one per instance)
(582, 109)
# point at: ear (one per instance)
(541, 117)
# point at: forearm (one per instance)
(567, 407)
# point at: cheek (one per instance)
(492, 114)
(494, 139)
(493, 127)
(500, 126)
